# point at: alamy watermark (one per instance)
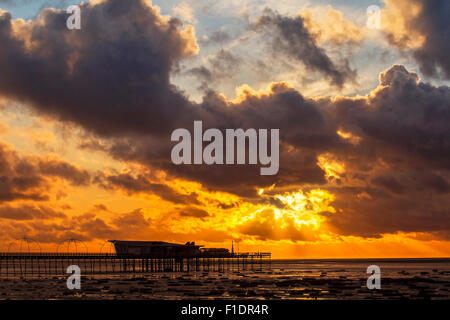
(74, 280)
(213, 153)
(74, 20)
(374, 280)
(373, 17)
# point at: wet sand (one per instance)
(276, 283)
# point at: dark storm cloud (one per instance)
(404, 116)
(433, 21)
(65, 170)
(30, 177)
(141, 184)
(29, 212)
(388, 213)
(112, 78)
(403, 123)
(405, 134)
(433, 24)
(117, 66)
(289, 36)
(305, 132)
(389, 183)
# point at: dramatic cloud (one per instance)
(423, 27)
(403, 116)
(290, 36)
(98, 84)
(29, 212)
(141, 184)
(433, 23)
(31, 177)
(397, 177)
(116, 67)
(381, 160)
(88, 227)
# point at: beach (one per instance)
(286, 279)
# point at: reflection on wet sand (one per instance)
(281, 282)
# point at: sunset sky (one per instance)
(364, 117)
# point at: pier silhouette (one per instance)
(153, 256)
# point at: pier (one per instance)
(50, 264)
(124, 257)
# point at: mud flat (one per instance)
(270, 284)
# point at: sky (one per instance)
(86, 118)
